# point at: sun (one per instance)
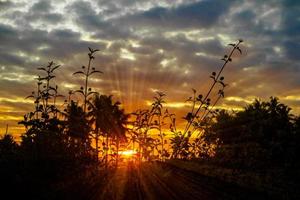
(128, 153)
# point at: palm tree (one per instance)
(77, 125)
(120, 121)
(108, 119)
(96, 113)
(8, 146)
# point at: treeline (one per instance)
(264, 135)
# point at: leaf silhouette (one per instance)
(41, 68)
(30, 96)
(189, 99)
(96, 71)
(238, 48)
(54, 68)
(78, 72)
(79, 91)
(52, 88)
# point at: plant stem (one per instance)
(86, 85)
(210, 90)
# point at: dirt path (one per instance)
(190, 185)
(154, 181)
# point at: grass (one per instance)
(272, 181)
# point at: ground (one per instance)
(163, 181)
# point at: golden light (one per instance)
(128, 153)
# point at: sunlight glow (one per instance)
(225, 39)
(292, 97)
(229, 107)
(43, 47)
(251, 69)
(127, 54)
(172, 104)
(29, 57)
(168, 62)
(18, 77)
(16, 100)
(134, 44)
(239, 99)
(11, 118)
(69, 85)
(128, 153)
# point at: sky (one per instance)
(147, 46)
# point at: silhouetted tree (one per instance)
(108, 119)
(77, 126)
(258, 136)
(96, 116)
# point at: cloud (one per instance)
(203, 14)
(41, 7)
(42, 12)
(91, 21)
(292, 50)
(5, 5)
(7, 32)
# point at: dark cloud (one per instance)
(91, 21)
(291, 29)
(41, 12)
(7, 32)
(41, 7)
(10, 59)
(125, 7)
(56, 44)
(292, 50)
(5, 5)
(203, 14)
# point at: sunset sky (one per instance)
(149, 45)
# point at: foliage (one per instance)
(56, 145)
(76, 123)
(148, 129)
(261, 135)
(109, 120)
(202, 107)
